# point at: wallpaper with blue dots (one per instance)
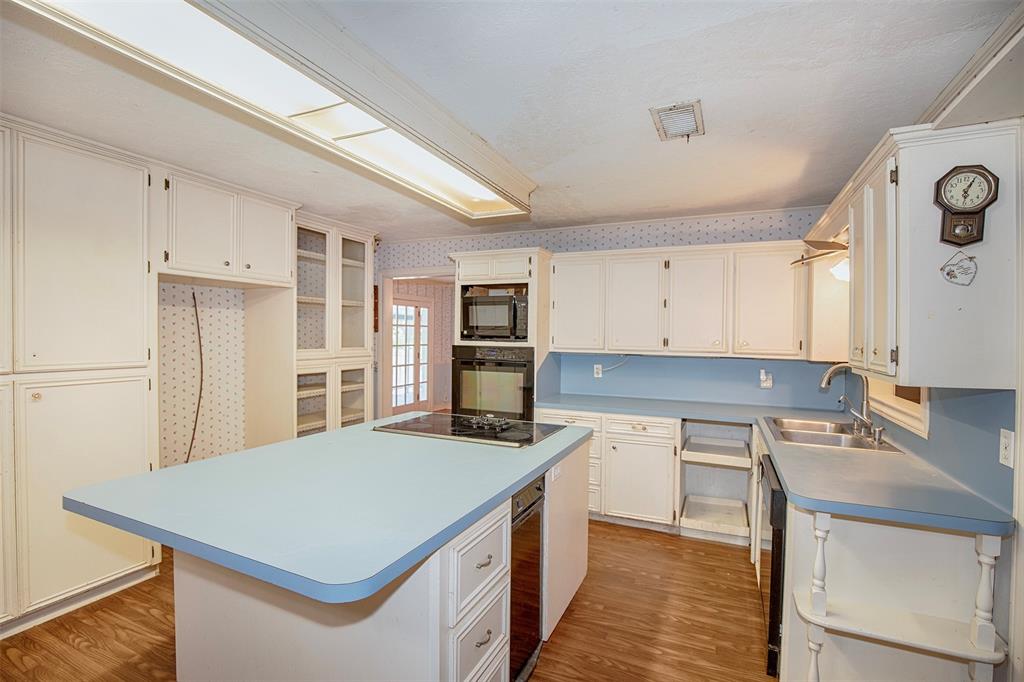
(723, 229)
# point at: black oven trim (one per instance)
(775, 495)
(520, 359)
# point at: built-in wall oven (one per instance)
(773, 519)
(489, 380)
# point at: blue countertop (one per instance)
(895, 487)
(334, 516)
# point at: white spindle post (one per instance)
(815, 638)
(983, 632)
(822, 524)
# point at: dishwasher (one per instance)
(527, 585)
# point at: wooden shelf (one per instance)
(311, 391)
(352, 303)
(715, 515)
(352, 417)
(936, 635)
(352, 386)
(352, 263)
(721, 452)
(310, 300)
(309, 422)
(311, 256)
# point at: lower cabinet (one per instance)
(7, 568)
(332, 395)
(74, 431)
(640, 479)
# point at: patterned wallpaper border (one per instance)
(691, 231)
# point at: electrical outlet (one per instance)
(767, 380)
(556, 472)
(598, 371)
(1006, 447)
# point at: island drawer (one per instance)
(484, 633)
(477, 560)
(643, 426)
(590, 420)
(594, 498)
(496, 669)
(594, 467)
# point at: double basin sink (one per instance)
(827, 434)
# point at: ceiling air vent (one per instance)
(678, 120)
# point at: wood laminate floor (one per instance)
(653, 607)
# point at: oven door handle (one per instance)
(526, 515)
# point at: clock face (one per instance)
(965, 191)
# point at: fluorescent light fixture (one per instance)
(186, 43)
(841, 270)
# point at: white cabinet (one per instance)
(635, 303)
(828, 324)
(698, 302)
(577, 304)
(6, 247)
(266, 234)
(80, 279)
(770, 302)
(219, 231)
(513, 265)
(639, 479)
(910, 323)
(880, 217)
(103, 431)
(8, 585)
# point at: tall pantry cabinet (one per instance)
(76, 405)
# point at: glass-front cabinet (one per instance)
(312, 275)
(312, 400)
(355, 303)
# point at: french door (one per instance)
(410, 355)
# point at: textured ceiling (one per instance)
(795, 95)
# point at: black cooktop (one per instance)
(478, 429)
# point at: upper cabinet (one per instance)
(81, 258)
(6, 246)
(738, 300)
(577, 294)
(923, 311)
(218, 231)
(771, 302)
(635, 303)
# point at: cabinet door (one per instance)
(829, 324)
(266, 233)
(858, 280)
(202, 228)
(577, 305)
(8, 586)
(639, 479)
(771, 303)
(698, 291)
(81, 259)
(880, 207)
(517, 266)
(102, 436)
(635, 304)
(472, 269)
(6, 246)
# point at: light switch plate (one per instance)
(556, 472)
(598, 371)
(1006, 447)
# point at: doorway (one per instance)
(416, 344)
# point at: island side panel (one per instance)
(566, 522)
(231, 626)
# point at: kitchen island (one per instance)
(352, 554)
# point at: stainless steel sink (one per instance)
(826, 434)
(815, 426)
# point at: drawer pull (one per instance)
(485, 564)
(485, 640)
(639, 427)
(570, 421)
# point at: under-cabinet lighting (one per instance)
(841, 270)
(193, 47)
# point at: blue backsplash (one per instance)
(717, 380)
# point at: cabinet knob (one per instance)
(248, 266)
(874, 352)
(743, 344)
(716, 342)
(615, 447)
(227, 263)
(37, 396)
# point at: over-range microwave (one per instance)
(489, 317)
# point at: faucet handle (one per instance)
(876, 433)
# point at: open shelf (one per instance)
(351, 303)
(942, 636)
(722, 452)
(353, 417)
(309, 422)
(354, 386)
(715, 515)
(311, 391)
(311, 256)
(310, 300)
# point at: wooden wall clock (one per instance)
(963, 194)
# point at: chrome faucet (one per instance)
(862, 424)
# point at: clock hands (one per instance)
(968, 187)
